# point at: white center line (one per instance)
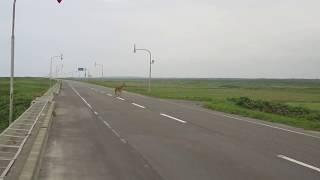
(120, 98)
(298, 162)
(176, 119)
(138, 105)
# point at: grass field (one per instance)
(26, 89)
(216, 93)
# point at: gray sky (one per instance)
(188, 38)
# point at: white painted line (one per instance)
(121, 98)
(176, 119)
(298, 162)
(96, 113)
(82, 98)
(123, 140)
(115, 132)
(109, 95)
(274, 127)
(86, 102)
(219, 114)
(107, 124)
(138, 105)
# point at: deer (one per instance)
(118, 89)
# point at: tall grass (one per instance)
(25, 90)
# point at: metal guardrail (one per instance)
(13, 139)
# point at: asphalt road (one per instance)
(96, 135)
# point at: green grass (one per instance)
(214, 93)
(26, 90)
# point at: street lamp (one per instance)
(58, 70)
(151, 61)
(52, 58)
(12, 59)
(101, 65)
(12, 62)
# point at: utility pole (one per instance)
(51, 59)
(12, 61)
(101, 65)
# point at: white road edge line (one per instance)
(120, 98)
(115, 132)
(298, 162)
(270, 126)
(81, 98)
(107, 124)
(176, 119)
(138, 105)
(248, 121)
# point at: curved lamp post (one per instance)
(151, 61)
(12, 59)
(52, 58)
(101, 65)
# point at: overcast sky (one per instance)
(188, 38)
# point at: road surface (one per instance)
(96, 135)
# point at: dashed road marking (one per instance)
(138, 105)
(171, 117)
(95, 112)
(121, 98)
(299, 162)
(109, 95)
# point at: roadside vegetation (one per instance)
(26, 90)
(293, 102)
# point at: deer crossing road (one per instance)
(97, 135)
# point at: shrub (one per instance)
(276, 108)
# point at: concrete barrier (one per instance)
(31, 168)
(23, 142)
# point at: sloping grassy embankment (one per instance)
(26, 90)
